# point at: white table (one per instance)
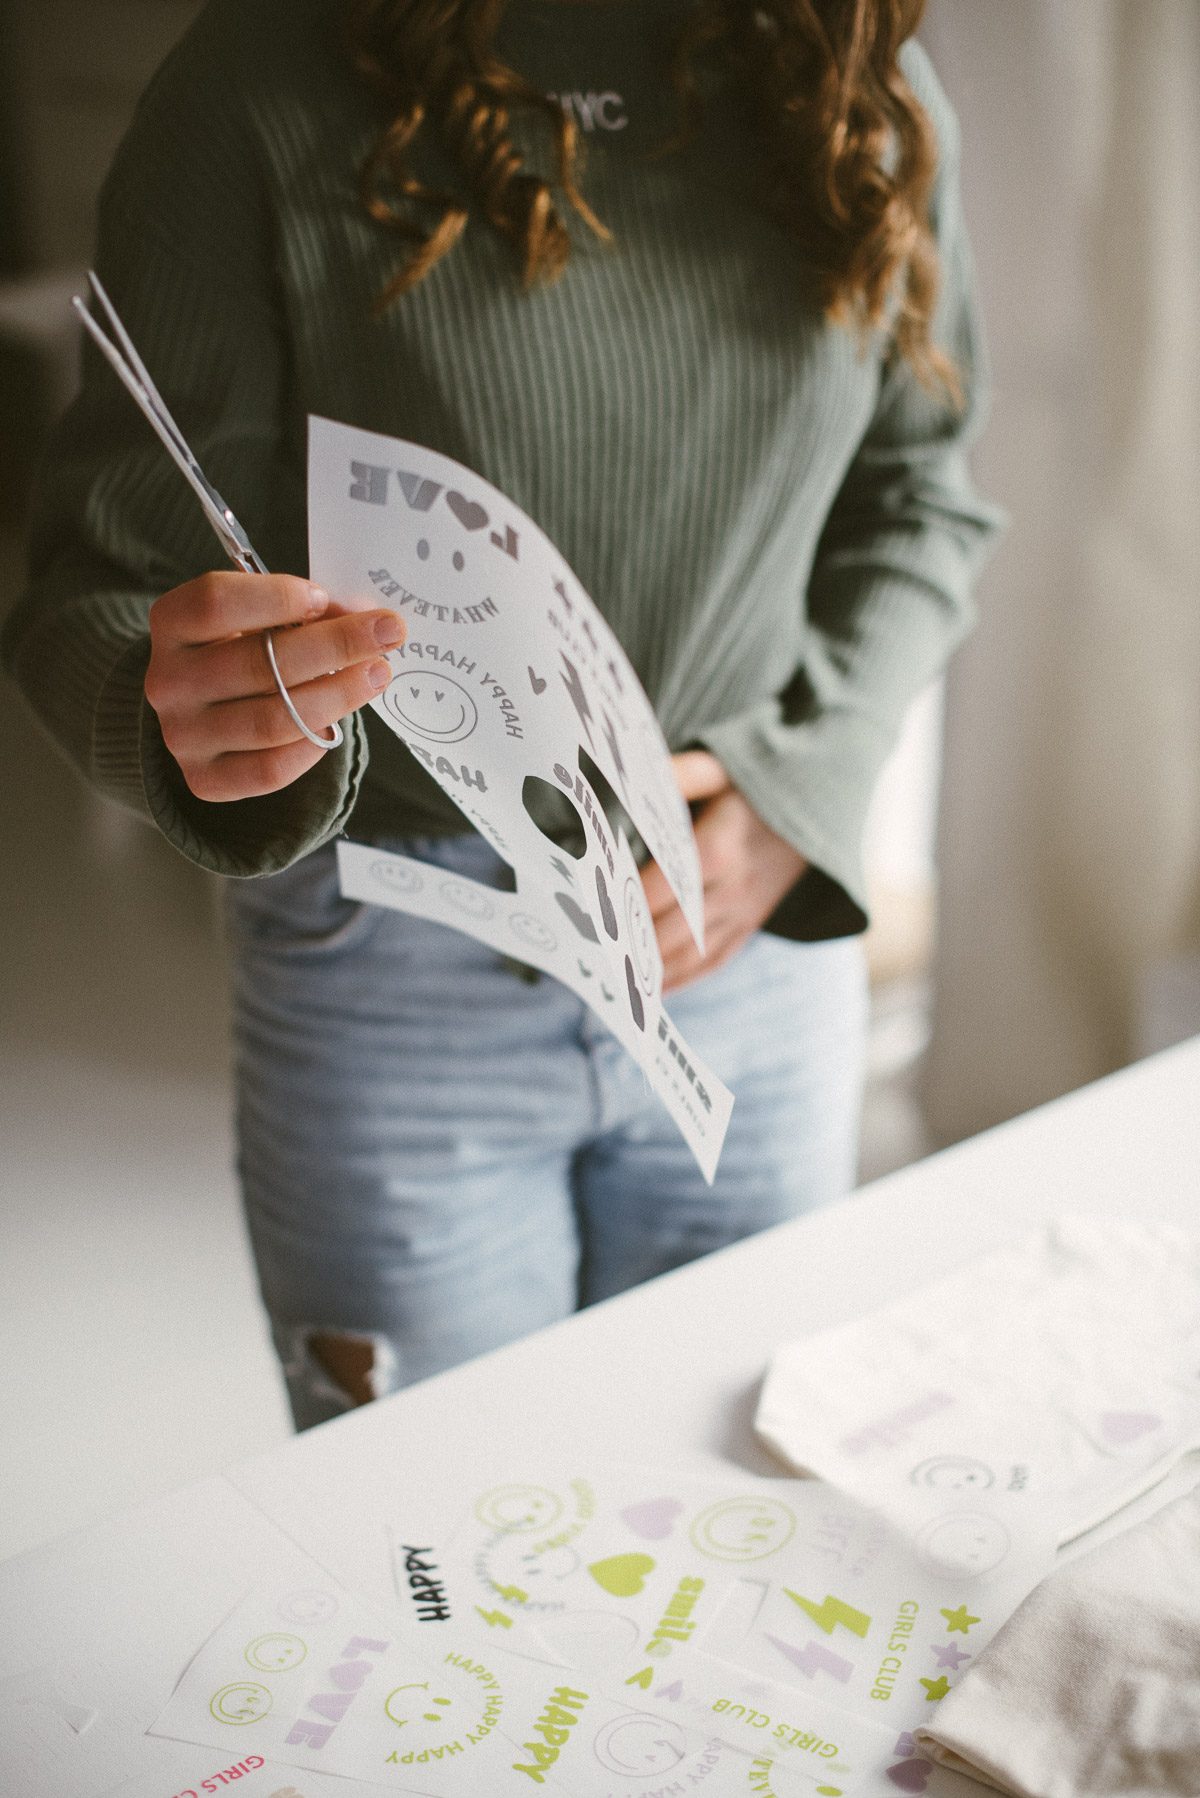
(668, 1372)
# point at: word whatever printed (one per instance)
(508, 673)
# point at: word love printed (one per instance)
(509, 686)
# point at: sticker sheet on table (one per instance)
(624, 1634)
(507, 674)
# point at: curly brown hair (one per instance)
(849, 154)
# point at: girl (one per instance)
(731, 369)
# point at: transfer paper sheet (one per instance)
(617, 1633)
(507, 673)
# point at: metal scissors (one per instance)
(231, 535)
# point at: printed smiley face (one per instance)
(743, 1529)
(467, 898)
(417, 1703)
(431, 705)
(275, 1653)
(396, 877)
(242, 1701)
(532, 931)
(964, 1542)
(953, 1473)
(641, 933)
(639, 1746)
(520, 1510)
(515, 1564)
(309, 1605)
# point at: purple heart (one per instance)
(1127, 1426)
(468, 514)
(910, 1776)
(653, 1518)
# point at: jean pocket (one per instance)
(300, 912)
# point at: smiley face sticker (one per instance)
(431, 705)
(467, 897)
(640, 931)
(397, 877)
(276, 1653)
(415, 1702)
(953, 1473)
(309, 1605)
(742, 1529)
(242, 1701)
(964, 1542)
(639, 1746)
(532, 931)
(520, 1509)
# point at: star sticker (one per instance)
(961, 1619)
(936, 1688)
(948, 1655)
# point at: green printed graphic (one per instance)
(830, 1612)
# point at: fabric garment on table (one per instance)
(1090, 1690)
(1059, 1376)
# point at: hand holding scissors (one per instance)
(239, 709)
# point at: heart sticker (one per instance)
(622, 1575)
(468, 514)
(578, 917)
(910, 1776)
(653, 1519)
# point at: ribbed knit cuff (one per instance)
(241, 838)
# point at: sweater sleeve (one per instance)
(185, 250)
(888, 599)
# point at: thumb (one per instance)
(699, 775)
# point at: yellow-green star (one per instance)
(936, 1688)
(961, 1619)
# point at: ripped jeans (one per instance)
(438, 1155)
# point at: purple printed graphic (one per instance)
(910, 1776)
(653, 1519)
(1122, 1427)
(814, 1658)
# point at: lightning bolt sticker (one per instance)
(830, 1612)
(577, 696)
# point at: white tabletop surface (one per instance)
(667, 1373)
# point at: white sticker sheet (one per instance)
(643, 1581)
(631, 1634)
(508, 672)
(308, 1679)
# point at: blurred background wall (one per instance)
(1036, 927)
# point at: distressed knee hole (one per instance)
(360, 1367)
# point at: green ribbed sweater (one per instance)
(779, 526)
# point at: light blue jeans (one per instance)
(438, 1156)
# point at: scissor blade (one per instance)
(129, 349)
(233, 538)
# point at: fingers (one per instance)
(238, 668)
(232, 777)
(222, 604)
(659, 897)
(246, 726)
(685, 963)
(699, 775)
